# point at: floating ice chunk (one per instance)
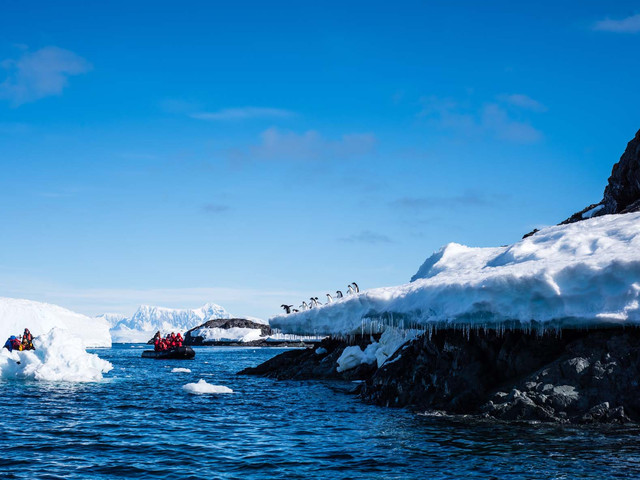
(58, 357)
(180, 370)
(321, 351)
(202, 387)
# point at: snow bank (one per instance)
(584, 273)
(180, 370)
(58, 357)
(234, 334)
(390, 341)
(40, 318)
(202, 387)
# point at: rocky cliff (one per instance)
(622, 193)
(568, 376)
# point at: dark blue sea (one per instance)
(140, 423)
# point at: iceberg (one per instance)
(578, 274)
(40, 318)
(202, 387)
(58, 357)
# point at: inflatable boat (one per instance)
(178, 353)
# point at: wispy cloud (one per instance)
(40, 74)
(368, 237)
(243, 113)
(468, 199)
(625, 25)
(522, 101)
(94, 301)
(490, 119)
(497, 121)
(276, 144)
(215, 208)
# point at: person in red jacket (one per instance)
(179, 339)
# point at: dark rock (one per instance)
(570, 376)
(622, 193)
(318, 362)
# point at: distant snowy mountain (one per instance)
(148, 319)
(112, 318)
(40, 318)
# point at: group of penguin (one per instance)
(352, 289)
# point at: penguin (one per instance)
(295, 310)
(329, 298)
(339, 294)
(317, 302)
(350, 290)
(287, 308)
(304, 306)
(356, 287)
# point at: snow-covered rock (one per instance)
(379, 352)
(582, 273)
(40, 318)
(234, 334)
(147, 320)
(58, 357)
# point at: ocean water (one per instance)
(140, 423)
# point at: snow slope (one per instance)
(584, 273)
(40, 318)
(147, 320)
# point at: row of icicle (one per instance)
(352, 289)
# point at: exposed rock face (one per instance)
(580, 376)
(622, 194)
(318, 363)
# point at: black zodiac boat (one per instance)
(177, 353)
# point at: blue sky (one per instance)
(255, 153)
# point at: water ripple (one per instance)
(139, 423)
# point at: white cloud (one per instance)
(310, 145)
(626, 25)
(522, 101)
(489, 120)
(368, 237)
(243, 113)
(496, 120)
(94, 301)
(40, 74)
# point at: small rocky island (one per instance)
(574, 370)
(240, 332)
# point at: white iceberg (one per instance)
(40, 318)
(584, 273)
(57, 357)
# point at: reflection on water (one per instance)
(140, 423)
